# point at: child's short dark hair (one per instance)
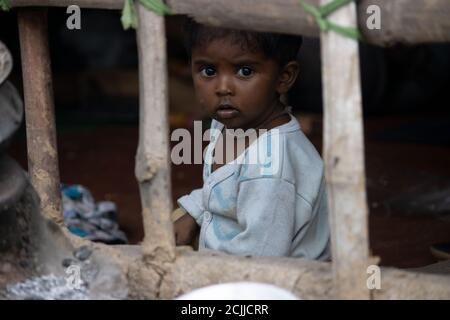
(280, 47)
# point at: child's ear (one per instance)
(288, 75)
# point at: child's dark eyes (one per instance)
(245, 72)
(208, 71)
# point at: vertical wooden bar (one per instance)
(344, 158)
(152, 158)
(39, 111)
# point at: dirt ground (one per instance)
(101, 157)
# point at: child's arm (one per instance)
(193, 204)
(189, 217)
(185, 229)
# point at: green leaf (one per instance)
(332, 6)
(5, 5)
(129, 17)
(348, 32)
(157, 6)
(312, 10)
(319, 14)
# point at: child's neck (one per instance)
(277, 117)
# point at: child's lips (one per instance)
(227, 111)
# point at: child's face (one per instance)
(236, 87)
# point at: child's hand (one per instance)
(185, 229)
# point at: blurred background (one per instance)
(406, 113)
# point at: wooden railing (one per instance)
(165, 270)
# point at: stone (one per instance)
(83, 253)
(24, 264)
(68, 262)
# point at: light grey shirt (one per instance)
(275, 206)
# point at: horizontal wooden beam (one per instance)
(88, 4)
(397, 284)
(407, 21)
(402, 21)
(306, 279)
(192, 270)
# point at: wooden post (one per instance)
(152, 159)
(39, 111)
(344, 158)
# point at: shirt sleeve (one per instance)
(266, 212)
(193, 204)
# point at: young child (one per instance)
(276, 206)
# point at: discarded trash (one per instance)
(90, 220)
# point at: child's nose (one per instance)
(224, 86)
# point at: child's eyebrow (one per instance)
(201, 62)
(236, 61)
(246, 61)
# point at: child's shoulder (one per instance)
(283, 154)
